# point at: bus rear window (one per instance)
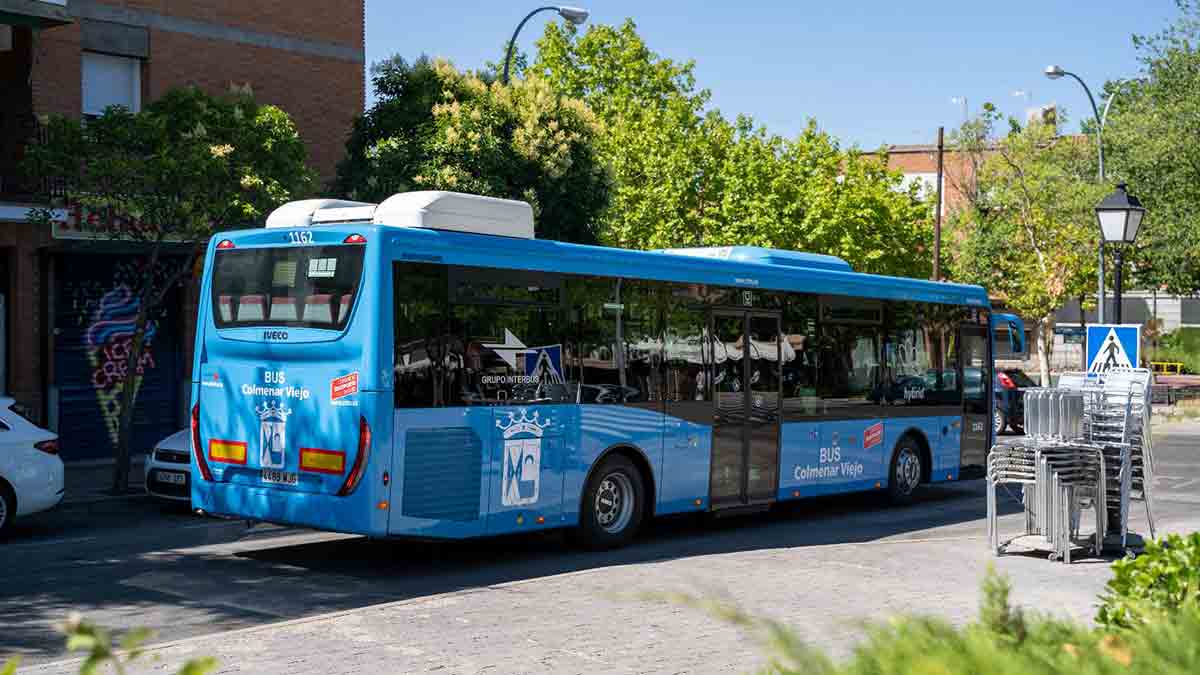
(312, 287)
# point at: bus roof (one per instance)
(738, 266)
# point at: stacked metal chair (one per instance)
(1119, 419)
(1087, 446)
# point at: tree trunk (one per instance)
(1045, 347)
(129, 382)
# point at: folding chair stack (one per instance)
(1119, 418)
(1087, 447)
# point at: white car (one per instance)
(31, 472)
(169, 468)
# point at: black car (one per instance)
(1009, 410)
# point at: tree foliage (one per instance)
(687, 176)
(436, 128)
(1028, 234)
(187, 165)
(1151, 142)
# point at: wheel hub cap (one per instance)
(614, 502)
(908, 473)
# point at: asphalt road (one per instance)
(269, 599)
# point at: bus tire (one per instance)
(613, 504)
(904, 477)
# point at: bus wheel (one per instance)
(612, 504)
(905, 475)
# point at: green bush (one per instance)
(100, 656)
(1165, 578)
(1181, 345)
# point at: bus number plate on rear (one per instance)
(280, 477)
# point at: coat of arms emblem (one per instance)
(272, 434)
(522, 458)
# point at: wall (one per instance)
(305, 56)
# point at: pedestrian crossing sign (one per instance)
(1110, 345)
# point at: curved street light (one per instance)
(1056, 72)
(574, 15)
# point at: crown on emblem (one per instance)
(273, 409)
(525, 424)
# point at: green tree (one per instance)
(684, 176)
(1029, 233)
(1150, 142)
(187, 165)
(435, 128)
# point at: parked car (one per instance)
(1010, 407)
(169, 468)
(31, 472)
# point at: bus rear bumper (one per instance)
(352, 514)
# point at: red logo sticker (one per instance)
(873, 435)
(341, 387)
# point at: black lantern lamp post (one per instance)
(1120, 216)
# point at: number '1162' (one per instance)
(302, 237)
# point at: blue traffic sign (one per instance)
(1111, 345)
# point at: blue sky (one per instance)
(868, 71)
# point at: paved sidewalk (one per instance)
(88, 482)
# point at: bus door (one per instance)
(745, 362)
(976, 359)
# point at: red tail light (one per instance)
(1006, 381)
(48, 447)
(224, 244)
(200, 461)
(360, 462)
(355, 239)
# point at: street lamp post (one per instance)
(574, 15)
(1120, 215)
(1054, 73)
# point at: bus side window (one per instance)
(421, 367)
(799, 352)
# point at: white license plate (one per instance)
(280, 477)
(172, 477)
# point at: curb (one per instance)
(84, 498)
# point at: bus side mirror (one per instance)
(1016, 331)
(1016, 337)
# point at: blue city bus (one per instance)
(425, 367)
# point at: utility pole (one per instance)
(937, 214)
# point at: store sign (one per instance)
(77, 222)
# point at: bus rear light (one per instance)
(322, 461)
(200, 462)
(355, 239)
(225, 244)
(49, 447)
(360, 461)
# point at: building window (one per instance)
(111, 80)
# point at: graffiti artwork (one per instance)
(103, 310)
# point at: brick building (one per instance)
(61, 298)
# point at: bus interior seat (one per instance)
(283, 309)
(344, 306)
(225, 305)
(250, 308)
(319, 309)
